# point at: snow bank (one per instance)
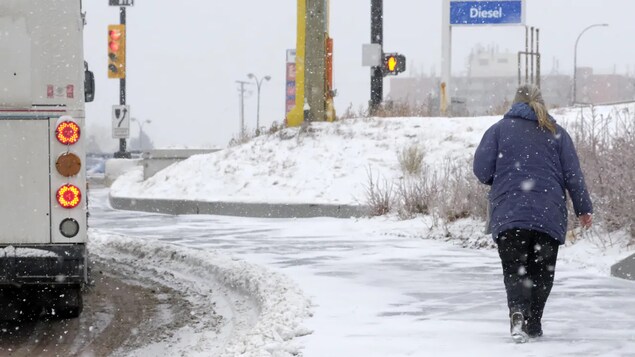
(326, 164)
(280, 305)
(27, 252)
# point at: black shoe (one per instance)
(534, 329)
(534, 333)
(518, 328)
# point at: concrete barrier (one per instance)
(625, 269)
(259, 210)
(157, 160)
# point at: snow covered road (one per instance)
(380, 290)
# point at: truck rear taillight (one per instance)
(69, 196)
(67, 133)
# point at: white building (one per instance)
(490, 62)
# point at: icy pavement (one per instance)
(378, 290)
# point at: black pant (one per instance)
(529, 263)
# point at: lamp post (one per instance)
(258, 84)
(575, 59)
(141, 123)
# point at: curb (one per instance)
(625, 269)
(255, 210)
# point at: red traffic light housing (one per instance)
(394, 63)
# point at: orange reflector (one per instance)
(68, 164)
(67, 133)
(69, 196)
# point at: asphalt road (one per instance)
(117, 312)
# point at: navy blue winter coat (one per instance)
(529, 169)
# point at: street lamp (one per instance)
(258, 84)
(141, 123)
(575, 59)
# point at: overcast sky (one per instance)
(185, 56)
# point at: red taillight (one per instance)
(69, 196)
(67, 133)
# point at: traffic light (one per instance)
(117, 51)
(394, 63)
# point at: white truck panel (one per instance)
(43, 42)
(24, 181)
(15, 73)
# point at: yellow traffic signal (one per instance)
(391, 63)
(394, 63)
(117, 51)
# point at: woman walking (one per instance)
(530, 161)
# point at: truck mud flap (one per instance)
(62, 264)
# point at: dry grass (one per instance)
(248, 134)
(447, 193)
(462, 195)
(417, 195)
(379, 195)
(411, 160)
(390, 109)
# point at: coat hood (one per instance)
(523, 111)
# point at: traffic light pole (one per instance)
(376, 36)
(122, 153)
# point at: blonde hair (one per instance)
(530, 94)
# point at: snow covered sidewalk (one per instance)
(381, 290)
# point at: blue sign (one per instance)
(486, 12)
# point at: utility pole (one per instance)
(122, 153)
(377, 37)
(242, 91)
(122, 90)
(315, 59)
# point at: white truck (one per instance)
(44, 83)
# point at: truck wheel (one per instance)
(9, 309)
(69, 304)
(30, 312)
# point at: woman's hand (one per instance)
(586, 220)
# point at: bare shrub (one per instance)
(417, 195)
(242, 138)
(247, 134)
(605, 145)
(350, 113)
(392, 109)
(379, 195)
(411, 160)
(274, 128)
(447, 193)
(461, 195)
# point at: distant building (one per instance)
(603, 88)
(491, 78)
(487, 63)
